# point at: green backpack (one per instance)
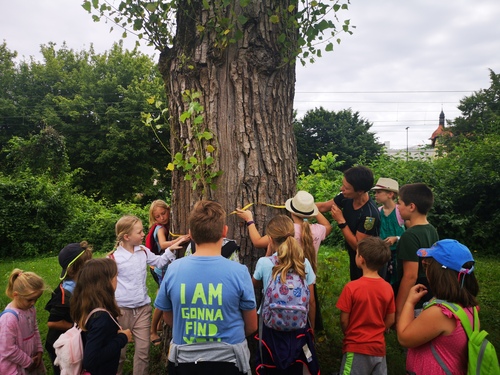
(482, 358)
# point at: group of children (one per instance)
(416, 265)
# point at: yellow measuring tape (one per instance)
(263, 204)
(243, 209)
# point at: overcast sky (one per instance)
(406, 60)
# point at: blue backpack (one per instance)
(286, 304)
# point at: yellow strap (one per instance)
(264, 204)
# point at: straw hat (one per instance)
(302, 205)
(386, 184)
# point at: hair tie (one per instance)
(305, 219)
(464, 272)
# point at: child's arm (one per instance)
(410, 275)
(8, 343)
(257, 240)
(413, 332)
(164, 243)
(250, 321)
(168, 318)
(389, 320)
(344, 321)
(312, 307)
(61, 325)
(322, 220)
(257, 284)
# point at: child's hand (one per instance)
(37, 361)
(416, 293)
(183, 239)
(391, 240)
(128, 333)
(244, 214)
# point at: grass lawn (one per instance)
(332, 276)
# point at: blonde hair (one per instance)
(158, 204)
(290, 255)
(306, 240)
(124, 226)
(25, 284)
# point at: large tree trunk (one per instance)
(247, 94)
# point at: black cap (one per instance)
(68, 255)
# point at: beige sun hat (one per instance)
(302, 204)
(386, 184)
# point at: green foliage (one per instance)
(197, 160)
(94, 102)
(33, 212)
(42, 153)
(303, 28)
(464, 182)
(41, 216)
(480, 114)
(323, 181)
(345, 132)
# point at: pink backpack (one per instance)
(69, 348)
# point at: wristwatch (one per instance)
(342, 225)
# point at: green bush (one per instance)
(464, 182)
(40, 216)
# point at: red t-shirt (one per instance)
(368, 301)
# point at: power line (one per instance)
(385, 92)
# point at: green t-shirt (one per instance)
(413, 239)
(389, 226)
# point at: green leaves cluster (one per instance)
(345, 132)
(304, 28)
(152, 21)
(480, 114)
(94, 102)
(197, 160)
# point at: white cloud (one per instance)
(405, 61)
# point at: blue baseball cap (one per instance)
(450, 253)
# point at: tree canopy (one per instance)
(95, 102)
(480, 113)
(344, 133)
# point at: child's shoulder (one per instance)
(9, 315)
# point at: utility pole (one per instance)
(407, 143)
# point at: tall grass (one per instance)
(333, 274)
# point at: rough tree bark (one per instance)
(247, 94)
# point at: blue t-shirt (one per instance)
(206, 296)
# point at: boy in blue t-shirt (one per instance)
(209, 301)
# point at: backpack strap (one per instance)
(460, 313)
(13, 312)
(398, 216)
(101, 309)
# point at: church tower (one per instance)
(439, 131)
